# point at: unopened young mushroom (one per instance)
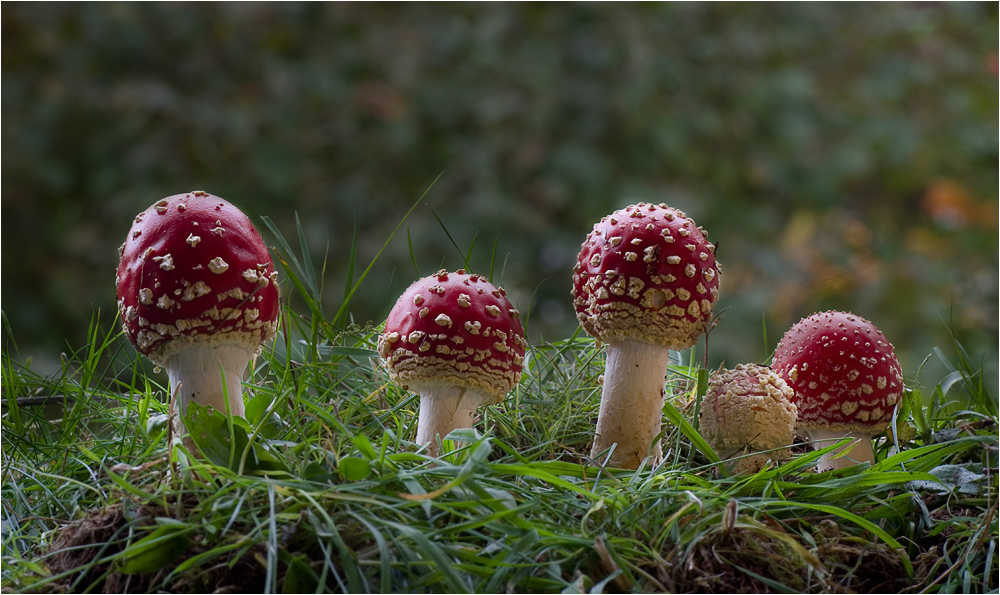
(456, 340)
(746, 410)
(846, 379)
(645, 282)
(197, 296)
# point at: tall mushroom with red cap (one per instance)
(847, 382)
(646, 282)
(197, 296)
(456, 340)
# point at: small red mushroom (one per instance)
(456, 340)
(847, 382)
(646, 282)
(196, 291)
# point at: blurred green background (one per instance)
(843, 155)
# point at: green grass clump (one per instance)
(322, 490)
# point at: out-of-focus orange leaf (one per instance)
(924, 241)
(867, 268)
(831, 279)
(989, 214)
(857, 235)
(951, 206)
(799, 231)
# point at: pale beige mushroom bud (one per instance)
(747, 410)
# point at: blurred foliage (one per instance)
(844, 155)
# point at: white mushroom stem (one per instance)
(860, 449)
(631, 403)
(196, 374)
(444, 408)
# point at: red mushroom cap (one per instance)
(843, 371)
(646, 273)
(457, 329)
(194, 270)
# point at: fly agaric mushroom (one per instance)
(456, 340)
(645, 282)
(846, 379)
(746, 410)
(197, 292)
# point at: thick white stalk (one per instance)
(860, 450)
(196, 374)
(631, 403)
(443, 409)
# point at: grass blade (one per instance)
(341, 320)
(343, 307)
(465, 259)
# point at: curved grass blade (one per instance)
(354, 288)
(464, 257)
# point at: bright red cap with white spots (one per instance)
(454, 329)
(194, 271)
(646, 273)
(843, 371)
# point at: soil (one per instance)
(102, 533)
